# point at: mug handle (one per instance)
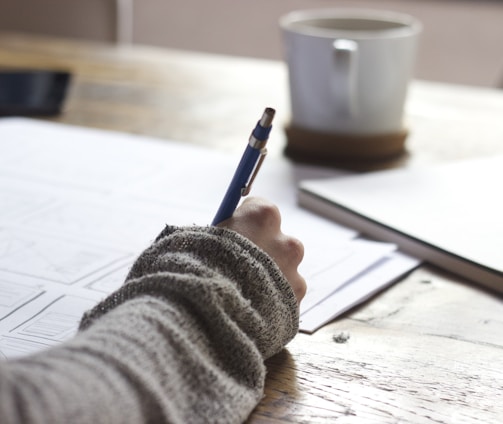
(344, 76)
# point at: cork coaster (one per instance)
(311, 146)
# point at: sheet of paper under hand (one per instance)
(78, 205)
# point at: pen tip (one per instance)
(267, 117)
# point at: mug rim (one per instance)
(409, 24)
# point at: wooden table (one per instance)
(429, 349)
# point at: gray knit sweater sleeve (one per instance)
(183, 341)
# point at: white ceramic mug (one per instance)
(349, 69)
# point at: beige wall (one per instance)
(90, 19)
(461, 42)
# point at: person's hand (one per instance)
(260, 221)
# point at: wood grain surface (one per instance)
(427, 350)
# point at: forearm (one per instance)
(183, 341)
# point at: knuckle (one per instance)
(269, 214)
(301, 289)
(295, 249)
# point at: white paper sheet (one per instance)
(357, 290)
(78, 205)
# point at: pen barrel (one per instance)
(238, 184)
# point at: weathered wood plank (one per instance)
(429, 349)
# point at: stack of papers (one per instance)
(79, 205)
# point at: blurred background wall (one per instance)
(88, 19)
(462, 41)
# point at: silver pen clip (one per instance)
(246, 189)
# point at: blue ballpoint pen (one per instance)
(248, 167)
